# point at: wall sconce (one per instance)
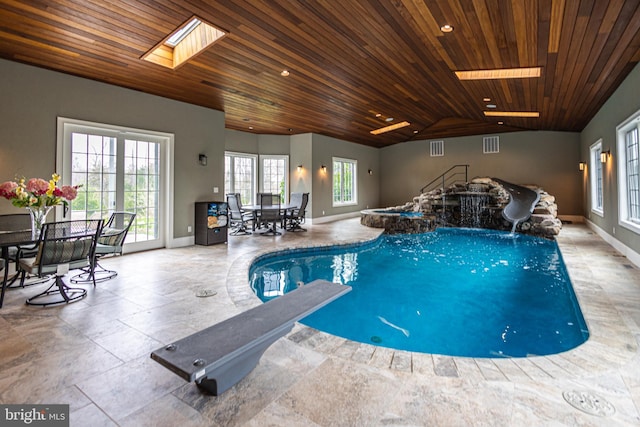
(370, 172)
(582, 166)
(604, 156)
(299, 168)
(323, 168)
(202, 159)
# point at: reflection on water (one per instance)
(279, 278)
(345, 268)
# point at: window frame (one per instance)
(284, 157)
(230, 184)
(630, 124)
(354, 182)
(596, 181)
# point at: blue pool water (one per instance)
(458, 292)
(401, 213)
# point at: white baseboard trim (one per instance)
(180, 242)
(331, 218)
(625, 250)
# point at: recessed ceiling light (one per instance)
(415, 131)
(491, 105)
(246, 119)
(486, 99)
(378, 115)
(284, 73)
(388, 119)
(446, 28)
(500, 122)
(499, 73)
(390, 128)
(512, 114)
(250, 127)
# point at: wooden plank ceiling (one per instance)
(348, 60)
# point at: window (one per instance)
(596, 178)
(118, 169)
(274, 176)
(240, 176)
(344, 182)
(628, 140)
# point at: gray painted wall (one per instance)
(32, 98)
(624, 102)
(324, 148)
(548, 159)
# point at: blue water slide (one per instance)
(523, 201)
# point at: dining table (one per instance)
(7, 240)
(284, 209)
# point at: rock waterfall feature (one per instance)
(476, 204)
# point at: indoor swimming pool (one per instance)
(455, 291)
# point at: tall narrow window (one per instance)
(117, 169)
(344, 182)
(596, 178)
(240, 176)
(274, 175)
(628, 143)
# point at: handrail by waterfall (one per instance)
(447, 180)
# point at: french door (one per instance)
(117, 170)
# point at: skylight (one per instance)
(499, 73)
(390, 128)
(183, 32)
(187, 41)
(512, 114)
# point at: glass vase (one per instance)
(38, 217)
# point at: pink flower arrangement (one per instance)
(38, 192)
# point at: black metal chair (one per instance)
(18, 222)
(238, 219)
(110, 242)
(63, 246)
(295, 217)
(270, 214)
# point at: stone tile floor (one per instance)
(94, 354)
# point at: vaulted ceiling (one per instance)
(354, 65)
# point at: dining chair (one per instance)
(62, 246)
(18, 222)
(296, 216)
(270, 213)
(110, 242)
(238, 219)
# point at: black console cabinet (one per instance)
(211, 223)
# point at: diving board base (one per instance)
(221, 355)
